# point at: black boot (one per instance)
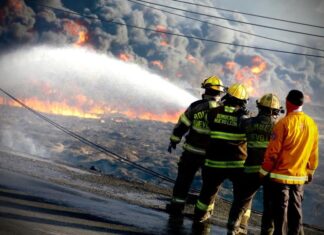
(175, 208)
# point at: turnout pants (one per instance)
(212, 180)
(287, 208)
(249, 185)
(188, 166)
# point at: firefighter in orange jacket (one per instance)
(290, 160)
(258, 131)
(193, 122)
(226, 151)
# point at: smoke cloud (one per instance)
(184, 61)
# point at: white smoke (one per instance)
(72, 71)
(20, 142)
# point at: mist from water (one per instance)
(60, 73)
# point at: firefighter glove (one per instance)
(172, 145)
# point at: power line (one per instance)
(249, 14)
(237, 21)
(175, 34)
(225, 27)
(97, 147)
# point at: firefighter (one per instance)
(290, 161)
(226, 151)
(193, 123)
(258, 131)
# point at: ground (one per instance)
(39, 196)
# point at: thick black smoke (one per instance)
(184, 61)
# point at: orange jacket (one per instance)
(292, 153)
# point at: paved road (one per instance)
(32, 206)
(38, 196)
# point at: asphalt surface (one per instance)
(40, 196)
(44, 203)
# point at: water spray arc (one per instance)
(80, 82)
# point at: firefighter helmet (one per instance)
(270, 101)
(238, 91)
(214, 83)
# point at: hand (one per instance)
(172, 145)
(310, 178)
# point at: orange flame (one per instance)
(158, 64)
(83, 38)
(87, 108)
(230, 65)
(191, 59)
(124, 57)
(164, 43)
(259, 65)
(15, 4)
(77, 30)
(248, 75)
(161, 28)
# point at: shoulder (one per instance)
(198, 102)
(310, 120)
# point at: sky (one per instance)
(185, 61)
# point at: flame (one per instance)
(124, 57)
(15, 5)
(83, 107)
(161, 28)
(248, 75)
(259, 65)
(191, 59)
(83, 38)
(164, 43)
(230, 65)
(77, 30)
(158, 64)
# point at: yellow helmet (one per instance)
(270, 101)
(213, 82)
(238, 91)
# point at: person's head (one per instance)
(269, 104)
(213, 86)
(237, 95)
(294, 100)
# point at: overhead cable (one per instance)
(175, 34)
(97, 147)
(249, 14)
(233, 20)
(225, 27)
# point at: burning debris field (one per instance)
(98, 85)
(24, 133)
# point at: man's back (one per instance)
(295, 147)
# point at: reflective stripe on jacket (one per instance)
(292, 152)
(258, 132)
(227, 145)
(224, 164)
